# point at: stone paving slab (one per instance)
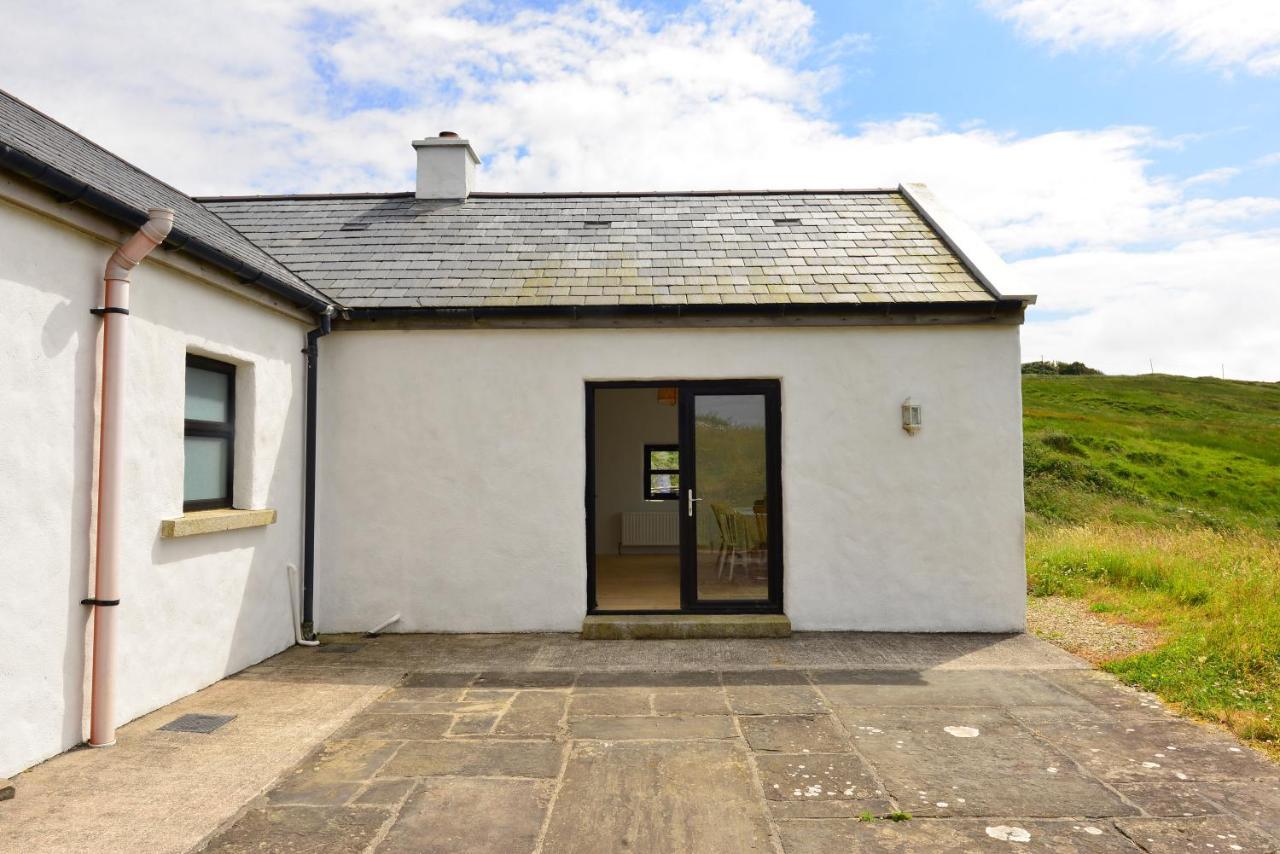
(385, 793)
(936, 836)
(478, 816)
(532, 714)
(469, 724)
(817, 777)
(652, 797)
(941, 688)
(794, 734)
(651, 727)
(1173, 800)
(1202, 833)
(301, 830)
(396, 726)
(1122, 748)
(611, 701)
(476, 759)
(967, 761)
(691, 701)
(777, 692)
(1256, 802)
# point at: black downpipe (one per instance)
(309, 519)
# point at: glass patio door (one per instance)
(731, 501)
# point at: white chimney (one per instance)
(446, 167)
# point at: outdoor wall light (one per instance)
(911, 418)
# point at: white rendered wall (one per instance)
(627, 419)
(452, 472)
(193, 609)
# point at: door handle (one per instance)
(691, 500)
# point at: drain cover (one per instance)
(198, 723)
(338, 647)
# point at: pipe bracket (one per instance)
(111, 309)
(103, 602)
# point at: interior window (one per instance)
(209, 437)
(661, 472)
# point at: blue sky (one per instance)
(1124, 157)
(959, 61)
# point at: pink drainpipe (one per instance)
(115, 339)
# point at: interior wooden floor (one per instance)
(652, 582)
(638, 582)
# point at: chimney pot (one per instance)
(446, 167)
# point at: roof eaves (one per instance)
(985, 309)
(983, 263)
(69, 189)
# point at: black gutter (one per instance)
(975, 308)
(309, 514)
(69, 189)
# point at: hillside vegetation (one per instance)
(1156, 499)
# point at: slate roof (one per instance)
(54, 146)
(525, 250)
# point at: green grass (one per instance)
(1157, 500)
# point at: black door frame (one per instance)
(772, 391)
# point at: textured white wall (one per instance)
(627, 419)
(452, 471)
(194, 609)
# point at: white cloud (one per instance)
(275, 97)
(1221, 175)
(1226, 34)
(1190, 309)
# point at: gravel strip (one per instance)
(1070, 624)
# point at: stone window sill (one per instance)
(209, 521)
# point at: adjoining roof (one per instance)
(610, 249)
(51, 154)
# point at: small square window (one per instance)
(209, 436)
(661, 472)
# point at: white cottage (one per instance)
(614, 413)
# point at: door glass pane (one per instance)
(208, 393)
(731, 479)
(204, 474)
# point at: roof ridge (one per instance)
(567, 194)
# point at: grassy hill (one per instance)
(1153, 449)
(1157, 499)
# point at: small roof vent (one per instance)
(786, 220)
(597, 223)
(354, 226)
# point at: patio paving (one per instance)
(546, 743)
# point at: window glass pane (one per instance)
(204, 473)
(663, 483)
(732, 480)
(208, 395)
(659, 460)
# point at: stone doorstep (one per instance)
(684, 626)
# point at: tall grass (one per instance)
(1214, 594)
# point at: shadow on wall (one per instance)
(63, 326)
(263, 619)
